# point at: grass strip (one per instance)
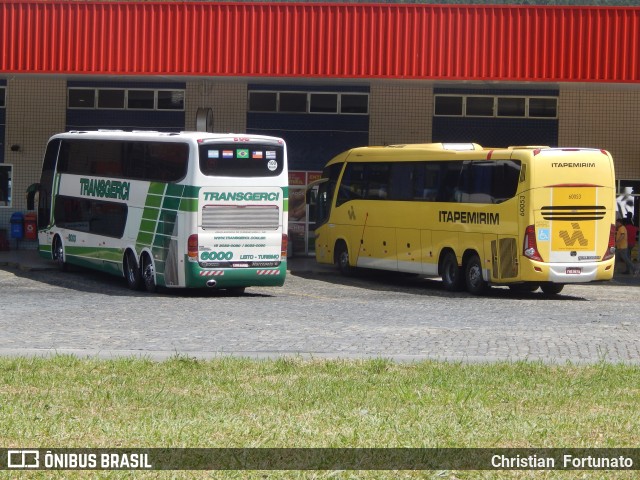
(66, 402)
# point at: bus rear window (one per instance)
(234, 160)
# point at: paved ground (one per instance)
(316, 314)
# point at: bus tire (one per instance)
(552, 288)
(524, 287)
(235, 291)
(57, 253)
(342, 259)
(476, 284)
(148, 273)
(450, 272)
(132, 271)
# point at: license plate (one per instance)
(574, 270)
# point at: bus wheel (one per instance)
(235, 291)
(450, 272)
(476, 285)
(57, 253)
(523, 287)
(552, 288)
(132, 271)
(342, 259)
(148, 274)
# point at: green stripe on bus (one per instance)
(148, 225)
(153, 201)
(157, 188)
(144, 238)
(151, 214)
(171, 203)
(191, 192)
(189, 205)
(174, 190)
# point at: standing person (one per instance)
(622, 246)
(632, 237)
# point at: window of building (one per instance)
(5, 184)
(479, 106)
(263, 101)
(309, 102)
(111, 98)
(2, 99)
(323, 103)
(511, 106)
(140, 99)
(495, 106)
(355, 103)
(170, 100)
(449, 105)
(82, 98)
(543, 107)
(123, 98)
(293, 102)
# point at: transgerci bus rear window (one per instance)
(237, 160)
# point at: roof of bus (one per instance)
(450, 151)
(155, 135)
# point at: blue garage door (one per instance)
(496, 118)
(125, 106)
(317, 123)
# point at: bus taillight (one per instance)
(530, 245)
(192, 247)
(284, 247)
(611, 248)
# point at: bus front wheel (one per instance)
(132, 271)
(342, 259)
(57, 253)
(476, 284)
(450, 272)
(148, 273)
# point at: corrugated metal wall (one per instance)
(577, 44)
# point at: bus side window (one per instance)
(450, 173)
(401, 179)
(351, 186)
(376, 181)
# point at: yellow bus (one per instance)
(526, 217)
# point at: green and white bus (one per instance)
(185, 210)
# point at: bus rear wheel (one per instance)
(148, 273)
(57, 254)
(552, 288)
(476, 284)
(450, 272)
(235, 291)
(132, 271)
(523, 287)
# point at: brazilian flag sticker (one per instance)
(242, 153)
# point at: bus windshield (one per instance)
(233, 160)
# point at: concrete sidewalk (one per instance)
(30, 260)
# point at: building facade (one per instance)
(326, 77)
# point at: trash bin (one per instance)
(17, 225)
(30, 230)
